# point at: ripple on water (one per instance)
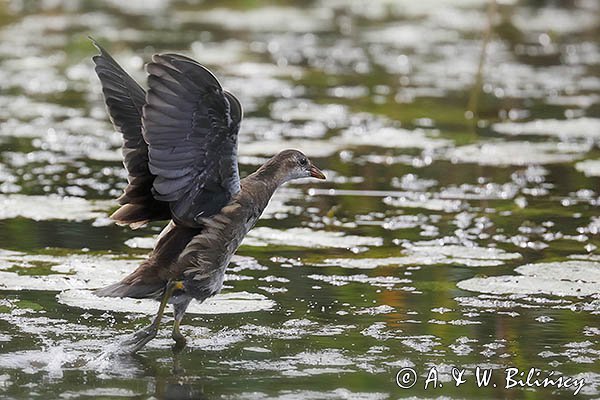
(361, 129)
(430, 254)
(518, 153)
(312, 148)
(140, 7)
(295, 329)
(487, 191)
(309, 395)
(592, 383)
(76, 274)
(19, 108)
(226, 52)
(427, 201)
(461, 346)
(389, 137)
(382, 309)
(422, 344)
(60, 348)
(262, 19)
(555, 19)
(265, 129)
(308, 363)
(335, 115)
(71, 272)
(100, 393)
(377, 281)
(433, 249)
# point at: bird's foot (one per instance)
(137, 340)
(180, 341)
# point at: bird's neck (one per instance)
(270, 175)
(259, 187)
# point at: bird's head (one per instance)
(293, 164)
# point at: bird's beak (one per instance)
(316, 172)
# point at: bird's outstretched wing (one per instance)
(191, 126)
(125, 99)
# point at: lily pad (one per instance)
(227, 303)
(568, 278)
(589, 167)
(517, 153)
(568, 128)
(305, 237)
(40, 208)
(462, 252)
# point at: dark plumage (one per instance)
(180, 152)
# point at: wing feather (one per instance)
(125, 99)
(190, 124)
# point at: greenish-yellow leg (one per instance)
(177, 336)
(144, 335)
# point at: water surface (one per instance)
(459, 226)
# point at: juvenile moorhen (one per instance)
(180, 153)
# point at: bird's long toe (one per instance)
(180, 343)
(180, 340)
(137, 340)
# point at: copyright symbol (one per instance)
(406, 378)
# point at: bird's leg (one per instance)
(177, 336)
(144, 335)
(179, 307)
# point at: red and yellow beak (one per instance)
(316, 172)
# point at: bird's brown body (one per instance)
(180, 152)
(199, 256)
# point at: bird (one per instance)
(180, 139)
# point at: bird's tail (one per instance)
(136, 291)
(137, 215)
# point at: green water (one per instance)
(459, 226)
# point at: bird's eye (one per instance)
(303, 161)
